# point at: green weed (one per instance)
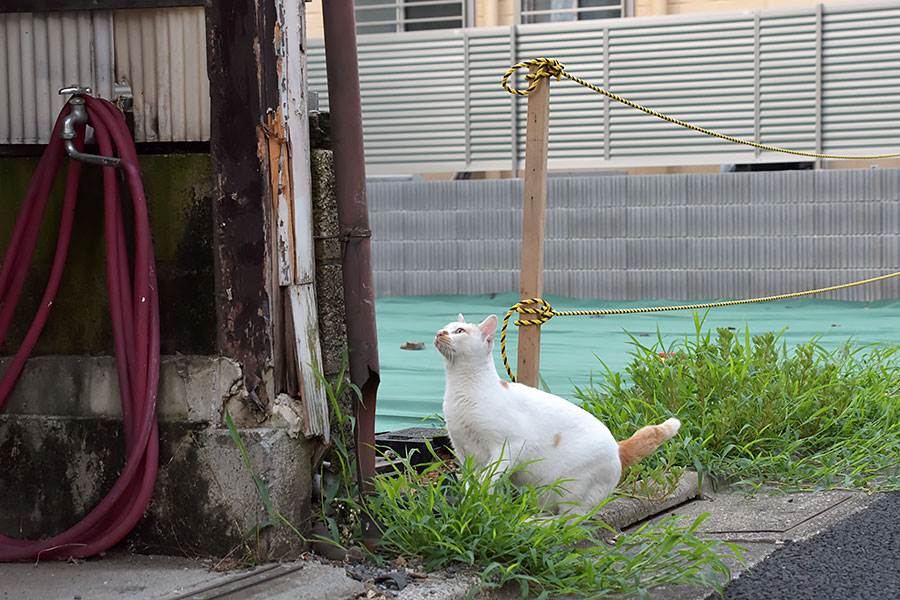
(275, 518)
(339, 507)
(757, 414)
(448, 517)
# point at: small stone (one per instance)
(413, 346)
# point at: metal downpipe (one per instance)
(353, 216)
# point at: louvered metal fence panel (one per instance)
(576, 130)
(490, 129)
(161, 53)
(684, 237)
(41, 53)
(413, 111)
(816, 78)
(861, 79)
(789, 82)
(699, 70)
(316, 75)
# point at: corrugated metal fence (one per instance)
(821, 78)
(728, 235)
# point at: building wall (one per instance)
(491, 13)
(314, 27)
(179, 202)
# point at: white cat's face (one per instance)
(461, 338)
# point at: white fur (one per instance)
(493, 420)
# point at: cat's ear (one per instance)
(488, 327)
(460, 318)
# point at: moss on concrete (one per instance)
(178, 189)
(204, 499)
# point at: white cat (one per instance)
(493, 420)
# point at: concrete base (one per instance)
(164, 577)
(62, 446)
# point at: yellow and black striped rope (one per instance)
(544, 312)
(550, 67)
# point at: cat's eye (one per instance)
(460, 330)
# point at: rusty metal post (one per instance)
(353, 214)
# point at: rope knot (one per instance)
(543, 313)
(547, 67)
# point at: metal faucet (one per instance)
(78, 116)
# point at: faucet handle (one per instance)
(74, 90)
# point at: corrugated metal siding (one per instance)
(685, 237)
(41, 53)
(819, 76)
(162, 54)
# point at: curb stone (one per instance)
(624, 511)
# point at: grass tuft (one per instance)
(757, 414)
(457, 517)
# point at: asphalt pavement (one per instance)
(857, 558)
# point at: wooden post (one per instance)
(243, 89)
(259, 142)
(531, 280)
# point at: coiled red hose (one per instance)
(135, 324)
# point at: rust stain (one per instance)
(274, 148)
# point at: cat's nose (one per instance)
(441, 332)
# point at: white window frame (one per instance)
(626, 9)
(400, 22)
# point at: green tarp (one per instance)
(412, 381)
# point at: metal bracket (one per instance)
(78, 116)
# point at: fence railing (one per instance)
(822, 78)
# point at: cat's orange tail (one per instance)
(645, 441)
